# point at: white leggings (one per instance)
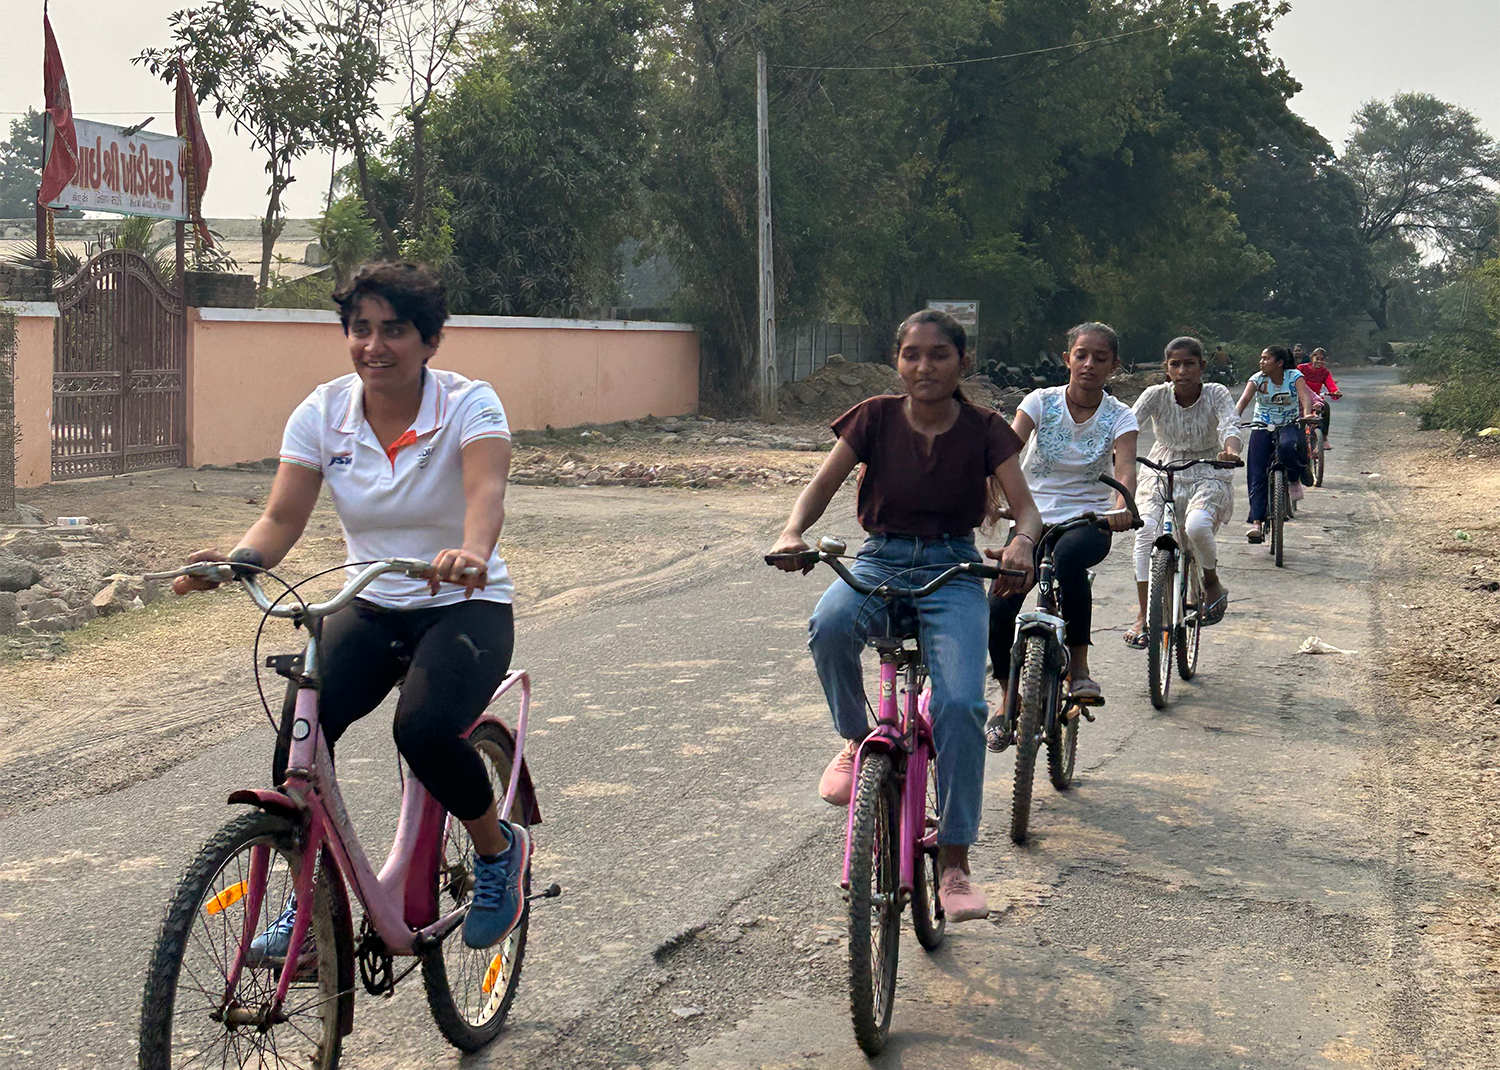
(1198, 530)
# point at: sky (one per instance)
(1344, 52)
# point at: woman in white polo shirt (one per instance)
(416, 461)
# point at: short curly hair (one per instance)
(415, 291)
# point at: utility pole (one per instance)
(766, 365)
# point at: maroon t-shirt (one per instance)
(913, 485)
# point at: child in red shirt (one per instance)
(1320, 379)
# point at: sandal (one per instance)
(1255, 535)
(998, 734)
(1215, 611)
(1136, 640)
(1085, 690)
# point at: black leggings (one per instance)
(1077, 552)
(458, 654)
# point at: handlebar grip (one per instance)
(801, 557)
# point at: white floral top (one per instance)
(1185, 433)
(1064, 459)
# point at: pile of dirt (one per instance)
(840, 385)
(538, 468)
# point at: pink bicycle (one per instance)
(212, 998)
(890, 840)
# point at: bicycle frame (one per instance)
(401, 901)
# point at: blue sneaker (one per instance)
(270, 946)
(499, 892)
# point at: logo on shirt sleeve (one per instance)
(489, 416)
(340, 459)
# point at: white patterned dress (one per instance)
(1190, 432)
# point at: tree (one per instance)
(347, 235)
(261, 68)
(1426, 175)
(21, 168)
(349, 34)
(537, 147)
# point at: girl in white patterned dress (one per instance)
(1191, 420)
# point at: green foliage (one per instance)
(21, 169)
(347, 235)
(310, 291)
(539, 143)
(1463, 355)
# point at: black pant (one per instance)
(1077, 552)
(453, 657)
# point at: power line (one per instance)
(986, 59)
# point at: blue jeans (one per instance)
(1289, 441)
(954, 626)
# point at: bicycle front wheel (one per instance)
(874, 903)
(188, 1016)
(1160, 625)
(1281, 507)
(470, 992)
(1190, 630)
(1318, 459)
(1032, 700)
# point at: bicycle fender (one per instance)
(525, 792)
(1037, 621)
(273, 802)
(1165, 542)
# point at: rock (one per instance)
(16, 573)
(60, 622)
(685, 1013)
(120, 594)
(36, 547)
(46, 607)
(23, 514)
(837, 358)
(8, 612)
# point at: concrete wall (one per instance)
(248, 368)
(35, 324)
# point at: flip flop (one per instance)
(1215, 611)
(1084, 690)
(1136, 640)
(1253, 536)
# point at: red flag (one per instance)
(62, 148)
(190, 129)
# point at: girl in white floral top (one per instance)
(1074, 434)
(1192, 420)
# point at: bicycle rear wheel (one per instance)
(1190, 630)
(470, 992)
(1317, 458)
(1160, 626)
(1028, 732)
(1280, 508)
(185, 1020)
(874, 903)
(927, 917)
(1062, 736)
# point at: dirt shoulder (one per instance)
(1438, 569)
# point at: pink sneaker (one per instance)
(961, 900)
(837, 784)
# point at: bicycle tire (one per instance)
(1190, 632)
(1280, 507)
(471, 1019)
(1318, 463)
(1029, 725)
(1062, 739)
(874, 945)
(928, 920)
(1160, 626)
(210, 888)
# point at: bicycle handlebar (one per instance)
(884, 590)
(249, 577)
(1180, 466)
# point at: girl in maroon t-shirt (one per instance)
(930, 461)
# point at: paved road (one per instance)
(1222, 890)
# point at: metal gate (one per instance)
(117, 384)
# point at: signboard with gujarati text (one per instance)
(966, 312)
(137, 175)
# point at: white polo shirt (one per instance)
(408, 501)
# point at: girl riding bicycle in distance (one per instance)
(1074, 434)
(1192, 420)
(1320, 382)
(932, 465)
(416, 461)
(1281, 396)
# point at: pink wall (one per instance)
(249, 369)
(34, 359)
